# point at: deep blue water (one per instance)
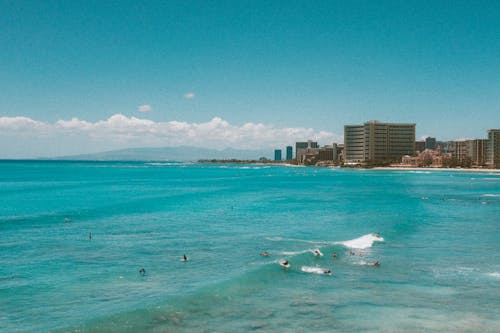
(440, 258)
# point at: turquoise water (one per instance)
(440, 254)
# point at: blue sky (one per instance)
(299, 67)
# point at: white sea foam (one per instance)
(294, 253)
(362, 242)
(164, 163)
(494, 274)
(281, 239)
(491, 195)
(313, 270)
(317, 252)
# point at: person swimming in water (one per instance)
(142, 271)
(184, 258)
(328, 271)
(265, 254)
(376, 263)
(334, 255)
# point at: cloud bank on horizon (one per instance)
(120, 131)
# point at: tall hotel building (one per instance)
(493, 151)
(375, 143)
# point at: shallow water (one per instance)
(440, 258)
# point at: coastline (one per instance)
(439, 169)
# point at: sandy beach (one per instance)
(440, 169)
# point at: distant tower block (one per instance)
(289, 153)
(277, 154)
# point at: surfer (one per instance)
(142, 271)
(376, 263)
(184, 258)
(328, 272)
(285, 264)
(90, 235)
(334, 255)
(317, 253)
(265, 254)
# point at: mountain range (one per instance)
(180, 154)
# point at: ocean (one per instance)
(74, 236)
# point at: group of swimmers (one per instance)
(317, 253)
(142, 271)
(285, 264)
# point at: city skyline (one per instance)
(81, 77)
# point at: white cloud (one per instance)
(144, 108)
(19, 124)
(123, 131)
(189, 95)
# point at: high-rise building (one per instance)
(354, 143)
(476, 151)
(430, 143)
(289, 153)
(459, 150)
(493, 151)
(277, 154)
(376, 143)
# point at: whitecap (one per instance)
(491, 195)
(362, 242)
(494, 274)
(293, 253)
(313, 270)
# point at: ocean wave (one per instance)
(491, 195)
(494, 274)
(362, 242)
(293, 253)
(314, 270)
(165, 163)
(282, 239)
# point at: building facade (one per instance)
(430, 143)
(301, 146)
(493, 150)
(289, 153)
(277, 154)
(476, 151)
(378, 143)
(419, 146)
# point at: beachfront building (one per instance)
(378, 143)
(459, 151)
(300, 147)
(289, 153)
(277, 154)
(427, 158)
(476, 151)
(493, 150)
(314, 155)
(354, 144)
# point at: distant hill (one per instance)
(180, 154)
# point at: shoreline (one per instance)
(439, 169)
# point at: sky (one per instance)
(88, 76)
